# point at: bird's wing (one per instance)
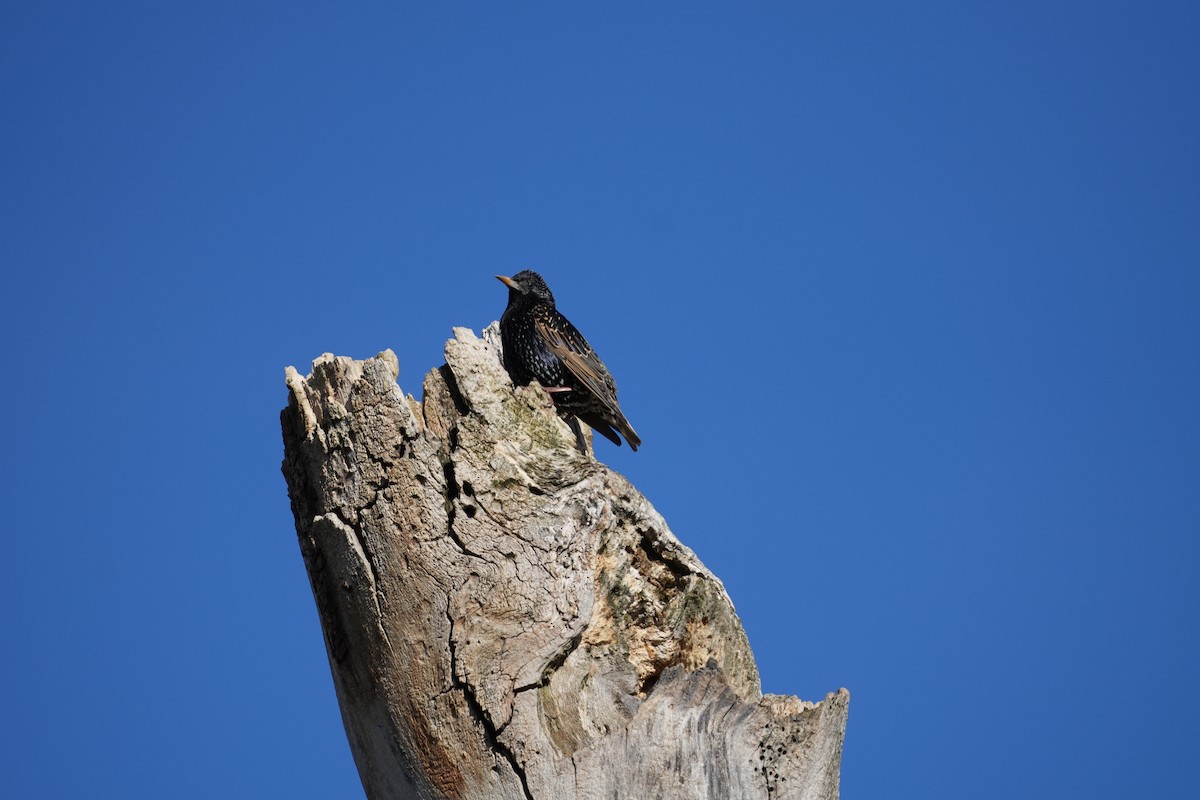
(577, 355)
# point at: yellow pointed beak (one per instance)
(509, 282)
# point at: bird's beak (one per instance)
(509, 282)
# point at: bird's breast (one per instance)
(527, 354)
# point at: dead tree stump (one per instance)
(507, 618)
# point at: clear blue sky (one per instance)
(904, 299)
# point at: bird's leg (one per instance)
(551, 391)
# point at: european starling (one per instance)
(541, 343)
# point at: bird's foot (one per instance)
(553, 391)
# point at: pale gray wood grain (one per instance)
(505, 617)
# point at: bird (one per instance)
(541, 344)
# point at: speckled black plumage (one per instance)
(541, 344)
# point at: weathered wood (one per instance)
(505, 617)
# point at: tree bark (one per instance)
(505, 617)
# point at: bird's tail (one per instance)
(627, 431)
(604, 426)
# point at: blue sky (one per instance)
(902, 297)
